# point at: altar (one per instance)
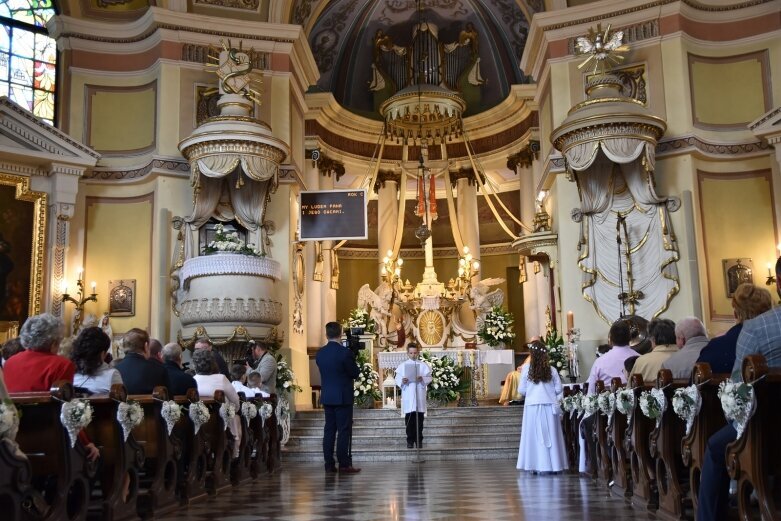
(488, 366)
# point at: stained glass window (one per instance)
(28, 57)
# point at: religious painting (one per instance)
(737, 272)
(22, 225)
(122, 298)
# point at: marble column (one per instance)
(467, 218)
(313, 317)
(387, 187)
(530, 303)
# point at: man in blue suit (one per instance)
(337, 372)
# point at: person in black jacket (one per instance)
(139, 374)
(222, 365)
(179, 381)
(338, 370)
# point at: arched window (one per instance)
(28, 57)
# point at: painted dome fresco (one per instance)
(367, 50)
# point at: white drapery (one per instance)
(615, 177)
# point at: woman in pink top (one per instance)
(209, 380)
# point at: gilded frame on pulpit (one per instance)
(22, 238)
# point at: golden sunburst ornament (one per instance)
(604, 48)
(234, 68)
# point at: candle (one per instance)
(769, 273)
(79, 274)
(64, 287)
(570, 320)
(94, 285)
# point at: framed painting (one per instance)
(122, 298)
(22, 234)
(736, 272)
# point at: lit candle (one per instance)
(769, 273)
(79, 274)
(94, 285)
(570, 320)
(64, 287)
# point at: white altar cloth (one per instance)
(464, 357)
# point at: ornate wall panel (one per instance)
(121, 120)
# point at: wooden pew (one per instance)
(218, 449)
(708, 422)
(159, 473)
(672, 477)
(191, 483)
(574, 421)
(120, 460)
(754, 460)
(619, 460)
(602, 453)
(637, 446)
(15, 487)
(241, 469)
(59, 472)
(569, 435)
(586, 426)
(267, 434)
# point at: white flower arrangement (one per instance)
(606, 401)
(130, 414)
(171, 412)
(686, 404)
(577, 408)
(74, 416)
(229, 242)
(589, 404)
(367, 385)
(199, 414)
(446, 378)
(653, 404)
(9, 420)
(249, 410)
(497, 327)
(625, 402)
(360, 318)
(266, 410)
(557, 352)
(738, 402)
(286, 378)
(568, 404)
(227, 412)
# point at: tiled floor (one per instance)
(437, 490)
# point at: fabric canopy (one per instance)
(618, 150)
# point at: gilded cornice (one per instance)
(178, 168)
(464, 173)
(524, 157)
(383, 176)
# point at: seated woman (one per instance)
(209, 379)
(89, 354)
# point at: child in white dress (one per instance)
(542, 439)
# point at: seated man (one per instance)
(691, 338)
(510, 389)
(661, 331)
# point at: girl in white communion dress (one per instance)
(542, 440)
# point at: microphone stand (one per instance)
(621, 295)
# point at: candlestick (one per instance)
(79, 274)
(570, 321)
(93, 285)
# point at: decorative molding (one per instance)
(690, 143)
(157, 26)
(767, 117)
(417, 253)
(20, 169)
(524, 157)
(243, 5)
(195, 53)
(464, 173)
(327, 167)
(633, 83)
(89, 93)
(384, 176)
(167, 166)
(230, 310)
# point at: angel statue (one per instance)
(483, 300)
(379, 301)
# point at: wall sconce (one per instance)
(80, 300)
(771, 279)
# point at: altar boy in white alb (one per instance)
(413, 377)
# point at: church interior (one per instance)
(520, 170)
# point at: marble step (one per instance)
(428, 453)
(398, 427)
(388, 418)
(399, 440)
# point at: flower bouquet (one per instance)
(497, 327)
(568, 404)
(9, 420)
(229, 242)
(366, 387)
(738, 403)
(286, 378)
(625, 401)
(199, 414)
(557, 352)
(249, 410)
(686, 404)
(447, 380)
(227, 412)
(606, 401)
(266, 410)
(129, 415)
(653, 404)
(171, 412)
(74, 416)
(360, 318)
(589, 404)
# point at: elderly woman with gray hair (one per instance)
(39, 366)
(209, 379)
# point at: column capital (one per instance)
(464, 173)
(384, 176)
(325, 165)
(524, 157)
(62, 211)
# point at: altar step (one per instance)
(450, 433)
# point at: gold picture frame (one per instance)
(737, 272)
(38, 239)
